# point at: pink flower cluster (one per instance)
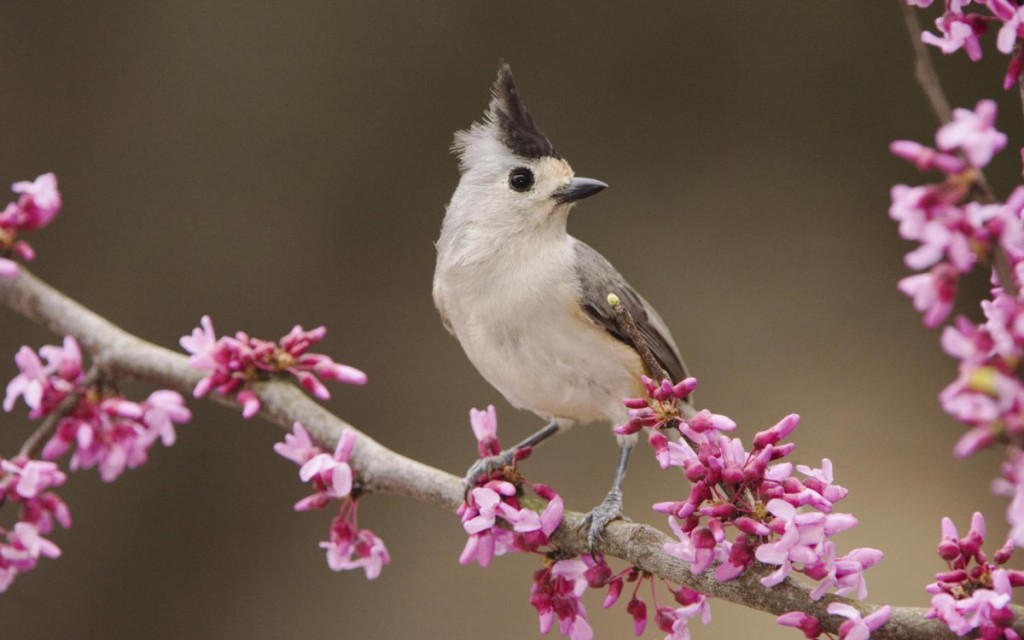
(234, 363)
(559, 586)
(956, 232)
(108, 431)
(493, 515)
(953, 232)
(497, 523)
(960, 29)
(777, 518)
(973, 594)
(673, 621)
(348, 547)
(856, 627)
(27, 483)
(38, 203)
(987, 395)
(556, 593)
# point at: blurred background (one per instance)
(280, 162)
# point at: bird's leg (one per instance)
(486, 466)
(611, 507)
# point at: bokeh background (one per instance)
(277, 162)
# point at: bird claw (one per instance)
(484, 467)
(610, 509)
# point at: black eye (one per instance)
(520, 179)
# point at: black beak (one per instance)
(577, 189)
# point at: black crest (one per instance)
(515, 125)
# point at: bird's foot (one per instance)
(595, 521)
(485, 467)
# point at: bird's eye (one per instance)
(520, 179)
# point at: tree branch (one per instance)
(119, 354)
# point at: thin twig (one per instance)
(924, 70)
(624, 320)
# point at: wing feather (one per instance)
(596, 278)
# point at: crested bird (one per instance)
(527, 301)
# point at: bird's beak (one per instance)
(577, 189)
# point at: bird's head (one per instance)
(512, 177)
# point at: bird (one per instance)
(528, 302)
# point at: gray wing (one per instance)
(596, 278)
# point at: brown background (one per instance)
(279, 162)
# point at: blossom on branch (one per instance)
(493, 515)
(954, 234)
(857, 627)
(962, 29)
(347, 547)
(973, 594)
(235, 362)
(744, 505)
(556, 593)
(106, 430)
(38, 203)
(27, 483)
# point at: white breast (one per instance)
(517, 317)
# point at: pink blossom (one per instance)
(926, 158)
(660, 409)
(111, 432)
(495, 503)
(1012, 486)
(484, 503)
(297, 446)
(856, 627)
(42, 387)
(161, 411)
(974, 133)
(333, 478)
(675, 622)
(696, 546)
(332, 472)
(805, 622)
(40, 201)
(528, 520)
(36, 207)
(797, 535)
(493, 516)
(24, 484)
(956, 31)
(556, 593)
(1012, 28)
(987, 395)
(27, 537)
(910, 208)
(974, 593)
(482, 547)
(843, 575)
(802, 535)
(349, 549)
(485, 429)
(234, 363)
(932, 292)
(33, 477)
